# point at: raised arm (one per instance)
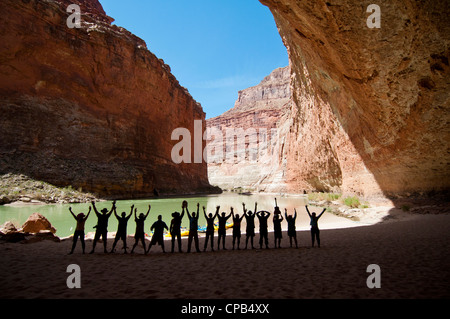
(89, 211)
(148, 212)
(232, 212)
(95, 208)
(198, 208)
(131, 212)
(115, 213)
(204, 212)
(113, 208)
(295, 213)
(307, 210)
(70, 210)
(285, 212)
(322, 213)
(256, 209)
(244, 209)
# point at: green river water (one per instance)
(64, 223)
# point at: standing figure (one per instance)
(236, 228)
(193, 229)
(158, 234)
(140, 233)
(222, 229)
(292, 232)
(210, 227)
(102, 226)
(315, 232)
(250, 228)
(122, 229)
(79, 230)
(278, 234)
(175, 227)
(263, 216)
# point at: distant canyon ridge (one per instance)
(359, 110)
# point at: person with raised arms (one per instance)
(140, 233)
(250, 227)
(79, 230)
(315, 232)
(210, 227)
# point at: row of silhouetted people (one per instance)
(159, 226)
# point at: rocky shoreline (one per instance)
(18, 188)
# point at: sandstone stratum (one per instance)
(90, 107)
(370, 106)
(258, 111)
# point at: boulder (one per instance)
(8, 228)
(36, 223)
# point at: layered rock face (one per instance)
(90, 107)
(370, 109)
(247, 150)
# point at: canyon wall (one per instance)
(370, 111)
(90, 107)
(253, 157)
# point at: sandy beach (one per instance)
(412, 252)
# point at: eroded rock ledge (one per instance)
(370, 107)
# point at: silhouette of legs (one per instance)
(223, 243)
(251, 241)
(178, 238)
(209, 235)
(315, 234)
(279, 242)
(238, 241)
(137, 238)
(295, 239)
(78, 233)
(194, 236)
(263, 237)
(104, 236)
(124, 239)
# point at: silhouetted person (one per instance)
(278, 234)
(79, 229)
(193, 229)
(292, 232)
(102, 226)
(263, 216)
(315, 232)
(276, 209)
(122, 229)
(175, 227)
(140, 233)
(158, 234)
(222, 229)
(236, 228)
(210, 227)
(250, 228)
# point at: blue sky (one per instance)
(214, 47)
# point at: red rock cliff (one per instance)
(370, 111)
(89, 107)
(259, 114)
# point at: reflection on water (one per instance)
(63, 221)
